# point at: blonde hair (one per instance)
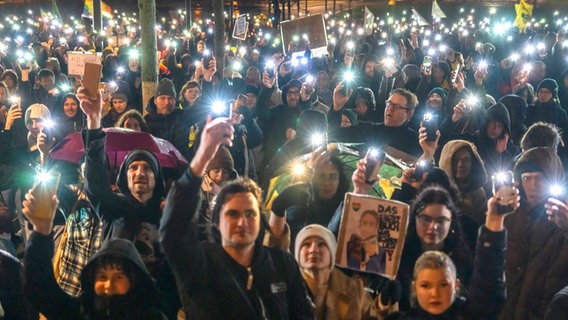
(431, 260)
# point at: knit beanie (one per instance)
(351, 114)
(122, 92)
(441, 92)
(549, 84)
(251, 88)
(137, 155)
(37, 111)
(222, 160)
(166, 88)
(316, 230)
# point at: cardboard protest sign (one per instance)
(76, 61)
(372, 233)
(309, 31)
(241, 27)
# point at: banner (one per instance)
(372, 234)
(524, 11)
(437, 11)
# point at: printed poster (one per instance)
(371, 235)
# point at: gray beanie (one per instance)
(316, 230)
(166, 88)
(37, 111)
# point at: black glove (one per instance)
(289, 197)
(391, 292)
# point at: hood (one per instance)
(142, 154)
(498, 112)
(364, 93)
(517, 108)
(478, 172)
(285, 88)
(143, 287)
(311, 122)
(543, 160)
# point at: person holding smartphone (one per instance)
(537, 246)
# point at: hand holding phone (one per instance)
(427, 63)
(375, 158)
(504, 190)
(430, 122)
(44, 188)
(420, 168)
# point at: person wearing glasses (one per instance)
(433, 225)
(394, 131)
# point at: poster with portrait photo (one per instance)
(371, 235)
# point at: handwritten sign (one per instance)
(76, 61)
(372, 233)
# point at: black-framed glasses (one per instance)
(396, 106)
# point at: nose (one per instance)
(108, 287)
(140, 172)
(313, 247)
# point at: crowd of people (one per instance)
(142, 240)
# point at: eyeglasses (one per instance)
(389, 103)
(426, 220)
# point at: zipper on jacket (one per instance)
(249, 280)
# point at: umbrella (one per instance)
(119, 143)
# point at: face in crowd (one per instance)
(141, 179)
(239, 220)
(191, 94)
(70, 107)
(293, 97)
(327, 180)
(111, 280)
(461, 164)
(433, 225)
(436, 289)
(164, 104)
(132, 124)
(397, 111)
(119, 105)
(314, 254)
(435, 101)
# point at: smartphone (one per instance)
(430, 122)
(221, 109)
(319, 140)
(207, 56)
(557, 191)
(427, 63)
(503, 188)
(91, 79)
(44, 188)
(375, 158)
(455, 74)
(242, 99)
(420, 168)
(269, 68)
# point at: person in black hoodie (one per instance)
(362, 100)
(117, 284)
(517, 108)
(134, 212)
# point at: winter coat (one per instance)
(13, 305)
(486, 293)
(372, 115)
(537, 254)
(142, 301)
(558, 307)
(517, 108)
(346, 298)
(172, 127)
(473, 202)
(550, 112)
(212, 284)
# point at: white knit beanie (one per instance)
(316, 230)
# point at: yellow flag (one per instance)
(524, 12)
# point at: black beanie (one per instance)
(137, 155)
(122, 92)
(250, 88)
(441, 92)
(166, 88)
(549, 84)
(351, 115)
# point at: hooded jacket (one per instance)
(517, 108)
(123, 216)
(537, 249)
(142, 301)
(550, 112)
(473, 202)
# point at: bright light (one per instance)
(427, 116)
(43, 177)
(218, 107)
(556, 190)
(48, 123)
(350, 45)
(237, 65)
(309, 78)
(514, 57)
(501, 176)
(471, 101)
(317, 139)
(298, 169)
(304, 60)
(348, 76)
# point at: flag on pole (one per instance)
(369, 21)
(437, 11)
(55, 9)
(106, 10)
(420, 19)
(524, 12)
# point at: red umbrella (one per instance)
(119, 143)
